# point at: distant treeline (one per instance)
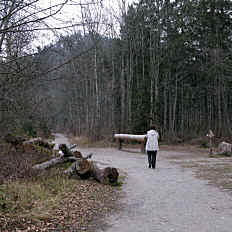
(171, 65)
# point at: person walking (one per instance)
(152, 146)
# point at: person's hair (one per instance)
(152, 127)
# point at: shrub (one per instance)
(204, 144)
(29, 129)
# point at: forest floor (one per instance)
(188, 191)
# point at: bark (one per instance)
(97, 91)
(81, 167)
(107, 175)
(225, 147)
(128, 137)
(123, 96)
(139, 138)
(66, 151)
(210, 135)
(53, 162)
(40, 142)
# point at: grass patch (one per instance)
(47, 200)
(38, 195)
(25, 191)
(204, 144)
(120, 182)
(221, 155)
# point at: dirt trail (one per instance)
(168, 198)
(60, 138)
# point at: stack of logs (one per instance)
(80, 167)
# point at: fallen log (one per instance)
(73, 146)
(53, 162)
(85, 169)
(32, 140)
(81, 167)
(107, 175)
(130, 137)
(225, 147)
(39, 142)
(65, 150)
(67, 156)
(15, 141)
(139, 138)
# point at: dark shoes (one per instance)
(151, 166)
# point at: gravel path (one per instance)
(60, 138)
(168, 198)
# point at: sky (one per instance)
(110, 11)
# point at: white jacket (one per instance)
(152, 141)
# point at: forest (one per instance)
(170, 62)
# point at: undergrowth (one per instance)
(23, 190)
(38, 196)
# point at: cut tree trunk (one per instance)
(81, 167)
(107, 175)
(225, 147)
(139, 138)
(129, 137)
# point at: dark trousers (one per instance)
(152, 158)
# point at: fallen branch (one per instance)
(53, 162)
(73, 146)
(39, 142)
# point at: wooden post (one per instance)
(119, 144)
(210, 135)
(143, 144)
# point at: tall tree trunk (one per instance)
(174, 107)
(123, 95)
(97, 127)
